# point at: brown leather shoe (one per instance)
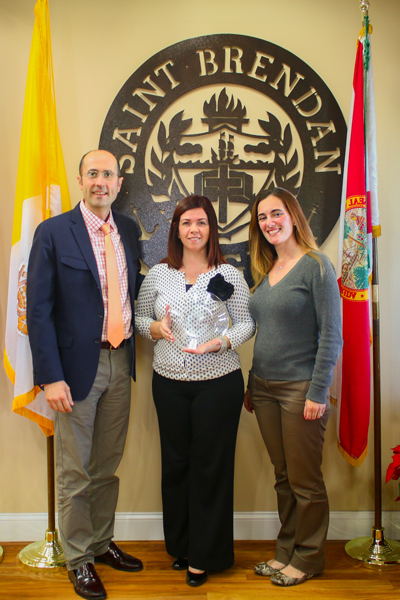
(87, 583)
(118, 559)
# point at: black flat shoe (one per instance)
(180, 564)
(196, 579)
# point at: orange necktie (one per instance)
(115, 331)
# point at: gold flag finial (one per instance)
(364, 5)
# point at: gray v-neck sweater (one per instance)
(299, 326)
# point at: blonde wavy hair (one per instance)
(262, 253)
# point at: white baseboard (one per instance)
(344, 525)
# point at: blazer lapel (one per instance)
(81, 234)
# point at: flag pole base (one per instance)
(374, 552)
(47, 554)
(1, 554)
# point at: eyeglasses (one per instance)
(94, 174)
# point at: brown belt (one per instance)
(108, 346)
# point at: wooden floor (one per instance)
(342, 580)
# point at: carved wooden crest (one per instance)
(225, 116)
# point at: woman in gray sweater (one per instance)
(296, 305)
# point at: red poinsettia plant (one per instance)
(393, 471)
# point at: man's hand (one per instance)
(58, 396)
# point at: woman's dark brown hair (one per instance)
(175, 246)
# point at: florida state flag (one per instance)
(359, 213)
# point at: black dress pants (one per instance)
(198, 423)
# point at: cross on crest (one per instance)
(225, 184)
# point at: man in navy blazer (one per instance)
(85, 379)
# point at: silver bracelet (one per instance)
(224, 346)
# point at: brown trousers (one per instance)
(295, 448)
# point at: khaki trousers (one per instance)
(295, 448)
(89, 444)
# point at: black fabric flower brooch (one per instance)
(220, 288)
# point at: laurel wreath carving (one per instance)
(169, 183)
(280, 145)
(283, 170)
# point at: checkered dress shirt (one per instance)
(93, 224)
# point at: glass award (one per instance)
(205, 318)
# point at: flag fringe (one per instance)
(354, 462)
(376, 231)
(45, 425)
(8, 368)
(333, 401)
(20, 404)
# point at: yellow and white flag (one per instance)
(42, 192)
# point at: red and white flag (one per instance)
(359, 220)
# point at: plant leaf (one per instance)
(287, 139)
(157, 164)
(162, 137)
(159, 186)
(177, 125)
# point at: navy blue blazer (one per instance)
(64, 301)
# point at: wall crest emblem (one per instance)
(225, 116)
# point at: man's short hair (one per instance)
(90, 151)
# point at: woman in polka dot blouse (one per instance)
(198, 392)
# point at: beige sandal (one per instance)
(285, 580)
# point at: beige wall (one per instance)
(97, 45)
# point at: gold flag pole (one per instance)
(47, 553)
(1, 554)
(375, 552)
